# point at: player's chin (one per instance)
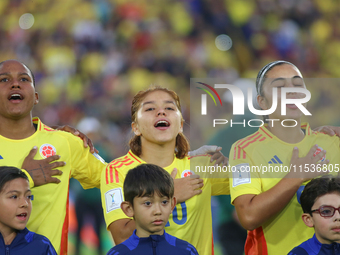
(293, 118)
(20, 226)
(157, 227)
(164, 139)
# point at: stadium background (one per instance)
(90, 57)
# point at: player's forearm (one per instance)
(122, 230)
(254, 210)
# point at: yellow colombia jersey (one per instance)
(50, 205)
(286, 230)
(190, 220)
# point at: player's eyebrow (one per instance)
(281, 78)
(277, 79)
(10, 73)
(153, 102)
(24, 74)
(17, 191)
(297, 76)
(13, 191)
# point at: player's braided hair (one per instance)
(182, 144)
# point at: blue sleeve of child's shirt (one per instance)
(49, 249)
(192, 249)
(298, 251)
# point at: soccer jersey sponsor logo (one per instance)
(47, 150)
(275, 160)
(318, 150)
(241, 175)
(113, 199)
(186, 173)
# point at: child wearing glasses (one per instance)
(320, 203)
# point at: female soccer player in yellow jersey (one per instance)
(157, 124)
(268, 206)
(19, 133)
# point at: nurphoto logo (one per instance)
(239, 103)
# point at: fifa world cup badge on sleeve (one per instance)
(113, 199)
(241, 174)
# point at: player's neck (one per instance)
(142, 233)
(288, 134)
(17, 129)
(8, 235)
(161, 155)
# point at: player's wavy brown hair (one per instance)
(182, 144)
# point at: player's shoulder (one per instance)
(45, 129)
(298, 251)
(322, 136)
(181, 245)
(311, 134)
(200, 157)
(129, 246)
(262, 135)
(41, 127)
(39, 241)
(125, 162)
(117, 169)
(32, 236)
(198, 160)
(57, 134)
(119, 249)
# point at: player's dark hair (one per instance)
(316, 188)
(145, 180)
(182, 144)
(262, 75)
(33, 79)
(9, 173)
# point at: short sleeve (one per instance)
(217, 176)
(112, 194)
(86, 167)
(29, 178)
(242, 180)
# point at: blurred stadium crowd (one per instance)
(90, 57)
